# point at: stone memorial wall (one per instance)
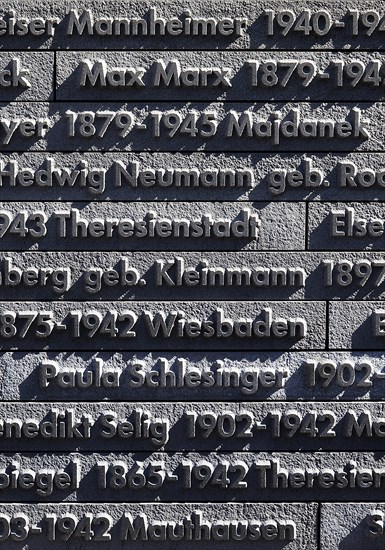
(192, 275)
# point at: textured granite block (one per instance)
(192, 126)
(26, 76)
(194, 477)
(192, 176)
(195, 376)
(351, 226)
(353, 525)
(356, 325)
(156, 525)
(194, 75)
(176, 426)
(177, 276)
(152, 226)
(165, 325)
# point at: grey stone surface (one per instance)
(274, 525)
(177, 275)
(153, 226)
(192, 176)
(162, 325)
(198, 376)
(356, 325)
(119, 75)
(26, 76)
(247, 275)
(130, 384)
(353, 525)
(193, 126)
(267, 477)
(346, 226)
(224, 426)
(339, 26)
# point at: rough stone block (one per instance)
(346, 226)
(356, 325)
(194, 75)
(177, 477)
(190, 127)
(164, 525)
(192, 176)
(177, 426)
(195, 376)
(26, 76)
(352, 526)
(152, 226)
(162, 325)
